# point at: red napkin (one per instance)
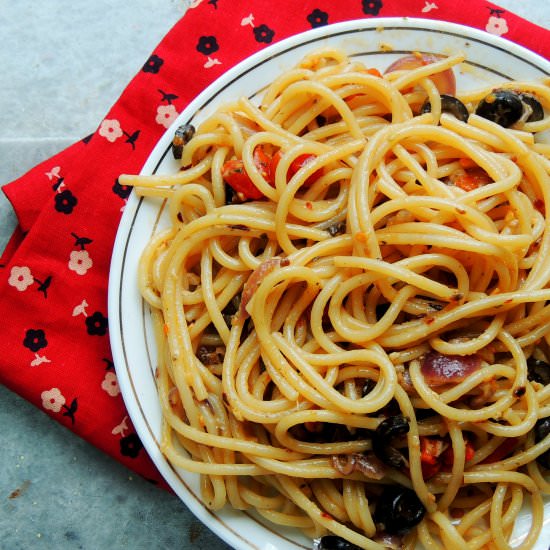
(54, 349)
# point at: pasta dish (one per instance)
(352, 304)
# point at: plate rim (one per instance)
(155, 158)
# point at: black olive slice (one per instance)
(542, 429)
(333, 542)
(537, 112)
(389, 428)
(538, 371)
(450, 105)
(504, 107)
(398, 510)
(182, 136)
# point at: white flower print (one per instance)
(20, 277)
(54, 173)
(247, 21)
(110, 384)
(211, 61)
(166, 114)
(80, 309)
(497, 25)
(39, 359)
(110, 129)
(52, 400)
(429, 7)
(80, 262)
(121, 428)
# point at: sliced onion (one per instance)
(439, 369)
(255, 279)
(444, 81)
(368, 464)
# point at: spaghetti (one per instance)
(352, 305)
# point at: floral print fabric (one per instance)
(54, 274)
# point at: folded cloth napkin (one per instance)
(54, 272)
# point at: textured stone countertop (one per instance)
(63, 65)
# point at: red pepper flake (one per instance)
(326, 516)
(309, 206)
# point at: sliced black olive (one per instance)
(381, 309)
(333, 542)
(337, 229)
(388, 429)
(398, 510)
(504, 107)
(368, 386)
(537, 112)
(542, 429)
(321, 432)
(538, 371)
(321, 120)
(450, 105)
(182, 136)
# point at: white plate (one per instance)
(490, 60)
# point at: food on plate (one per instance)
(352, 304)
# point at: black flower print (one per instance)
(263, 33)
(44, 285)
(132, 138)
(57, 184)
(70, 410)
(372, 7)
(130, 445)
(153, 64)
(65, 202)
(96, 324)
(35, 339)
(207, 45)
(168, 97)
(317, 18)
(81, 241)
(123, 191)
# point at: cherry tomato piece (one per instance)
(471, 179)
(299, 162)
(445, 81)
(235, 176)
(262, 162)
